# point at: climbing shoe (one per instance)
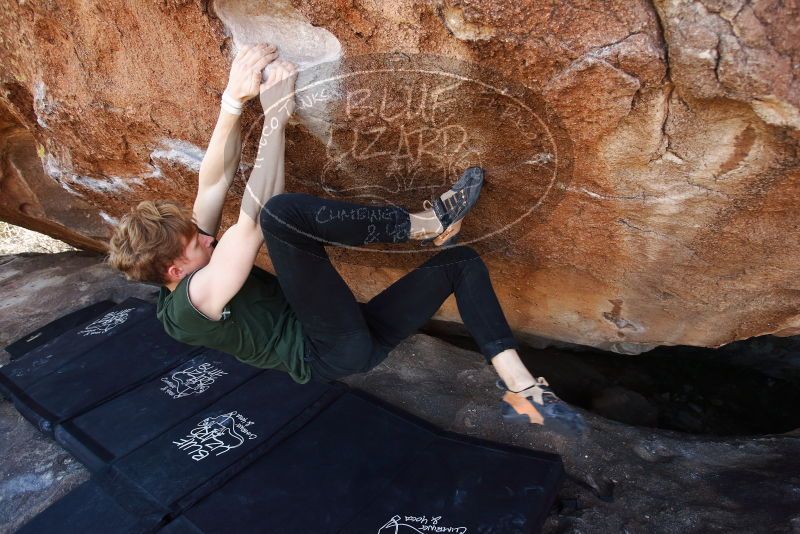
(539, 405)
(452, 206)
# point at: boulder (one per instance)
(642, 159)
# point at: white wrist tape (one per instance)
(231, 104)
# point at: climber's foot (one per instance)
(448, 235)
(539, 405)
(452, 206)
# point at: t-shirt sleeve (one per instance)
(184, 322)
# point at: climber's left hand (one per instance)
(245, 78)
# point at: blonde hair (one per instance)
(149, 238)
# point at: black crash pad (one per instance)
(87, 509)
(359, 466)
(130, 420)
(73, 343)
(251, 450)
(86, 366)
(53, 329)
(190, 460)
(469, 488)
(363, 467)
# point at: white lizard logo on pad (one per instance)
(106, 323)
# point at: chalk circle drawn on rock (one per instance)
(412, 525)
(106, 323)
(397, 129)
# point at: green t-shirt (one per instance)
(257, 326)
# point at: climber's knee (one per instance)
(352, 352)
(278, 212)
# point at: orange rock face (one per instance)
(642, 181)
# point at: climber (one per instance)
(305, 321)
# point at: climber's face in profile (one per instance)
(196, 255)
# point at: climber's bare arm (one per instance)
(224, 149)
(217, 171)
(213, 286)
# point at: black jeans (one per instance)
(343, 336)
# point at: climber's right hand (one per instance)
(245, 79)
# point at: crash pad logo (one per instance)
(106, 323)
(410, 524)
(191, 381)
(216, 435)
